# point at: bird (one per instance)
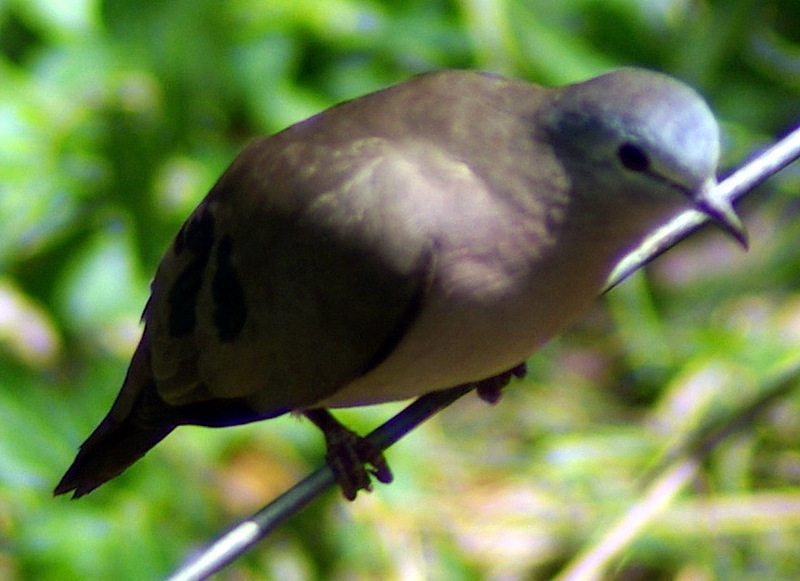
(429, 235)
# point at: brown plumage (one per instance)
(429, 235)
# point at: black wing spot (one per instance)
(230, 310)
(183, 299)
(197, 236)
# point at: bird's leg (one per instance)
(354, 459)
(349, 454)
(490, 389)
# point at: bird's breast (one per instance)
(490, 306)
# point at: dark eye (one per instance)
(633, 157)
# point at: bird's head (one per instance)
(641, 136)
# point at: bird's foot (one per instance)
(490, 389)
(352, 458)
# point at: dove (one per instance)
(429, 235)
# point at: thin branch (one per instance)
(236, 540)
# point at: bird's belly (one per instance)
(461, 338)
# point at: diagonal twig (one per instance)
(239, 538)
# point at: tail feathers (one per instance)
(111, 448)
(138, 420)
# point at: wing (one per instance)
(287, 283)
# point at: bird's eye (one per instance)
(633, 157)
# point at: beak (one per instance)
(721, 211)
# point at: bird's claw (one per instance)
(490, 389)
(353, 458)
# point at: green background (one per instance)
(115, 119)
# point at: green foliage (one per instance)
(117, 116)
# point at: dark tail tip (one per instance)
(106, 454)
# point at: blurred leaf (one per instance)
(60, 20)
(101, 291)
(26, 330)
